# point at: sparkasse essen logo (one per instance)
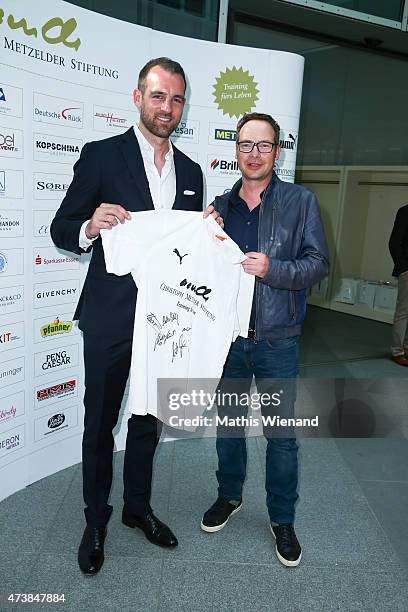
(49, 259)
(56, 327)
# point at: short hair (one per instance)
(259, 117)
(164, 62)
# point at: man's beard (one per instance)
(162, 130)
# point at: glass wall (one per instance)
(353, 102)
(387, 9)
(193, 18)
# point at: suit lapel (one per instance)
(130, 149)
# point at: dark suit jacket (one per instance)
(112, 171)
(398, 243)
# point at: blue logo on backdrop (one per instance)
(3, 262)
(2, 95)
(225, 134)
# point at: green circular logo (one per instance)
(235, 92)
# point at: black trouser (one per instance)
(107, 364)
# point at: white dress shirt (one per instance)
(162, 185)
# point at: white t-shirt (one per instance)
(193, 299)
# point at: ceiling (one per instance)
(308, 22)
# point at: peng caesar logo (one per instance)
(62, 30)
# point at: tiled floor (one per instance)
(351, 518)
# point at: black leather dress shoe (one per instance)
(90, 552)
(154, 530)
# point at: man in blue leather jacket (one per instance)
(278, 226)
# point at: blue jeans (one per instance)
(274, 363)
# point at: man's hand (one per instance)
(210, 210)
(257, 264)
(105, 216)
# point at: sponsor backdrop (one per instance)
(67, 77)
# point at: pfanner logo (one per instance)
(55, 328)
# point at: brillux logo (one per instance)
(225, 165)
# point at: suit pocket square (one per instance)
(188, 192)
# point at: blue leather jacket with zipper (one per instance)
(291, 234)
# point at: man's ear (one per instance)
(137, 97)
(277, 154)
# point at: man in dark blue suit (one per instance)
(138, 170)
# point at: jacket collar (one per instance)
(131, 152)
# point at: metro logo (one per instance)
(230, 135)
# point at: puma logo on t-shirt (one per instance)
(179, 256)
